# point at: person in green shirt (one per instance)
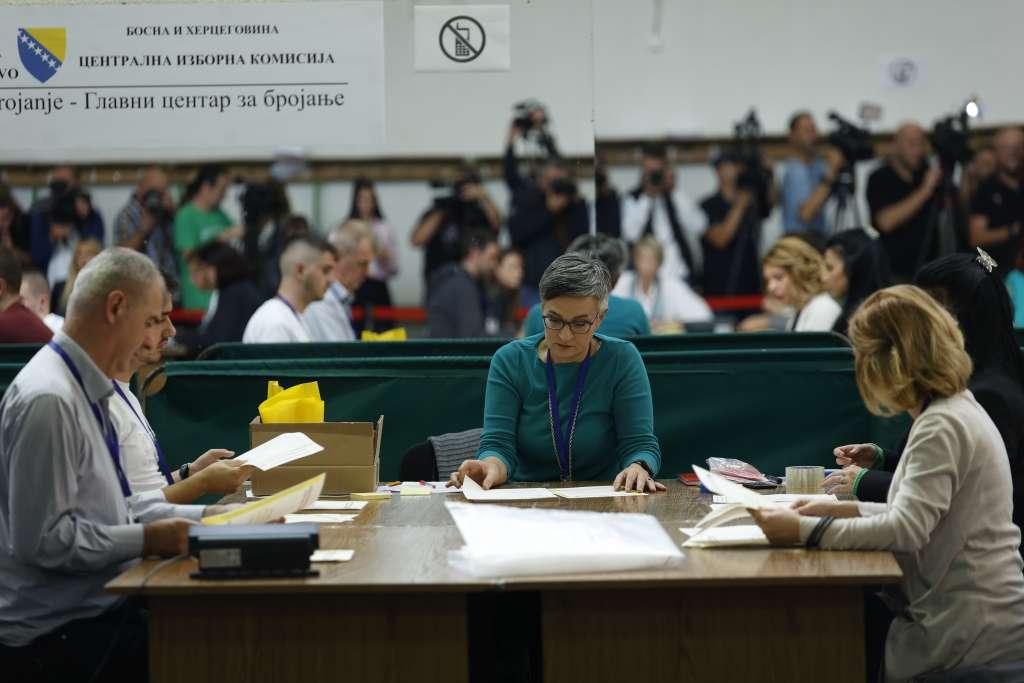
(625, 318)
(568, 404)
(198, 221)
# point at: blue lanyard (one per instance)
(290, 307)
(109, 433)
(563, 441)
(161, 461)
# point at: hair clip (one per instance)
(986, 261)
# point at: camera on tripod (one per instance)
(851, 140)
(949, 140)
(523, 115)
(745, 151)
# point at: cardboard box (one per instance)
(350, 459)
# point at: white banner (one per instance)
(177, 82)
(463, 38)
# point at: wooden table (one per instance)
(398, 612)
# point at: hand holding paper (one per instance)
(280, 450)
(472, 491)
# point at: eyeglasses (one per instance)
(555, 324)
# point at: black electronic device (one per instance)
(253, 551)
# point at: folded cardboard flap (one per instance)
(350, 459)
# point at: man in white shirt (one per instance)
(307, 267)
(144, 461)
(330, 319)
(657, 208)
(35, 294)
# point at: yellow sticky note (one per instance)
(415, 491)
(370, 495)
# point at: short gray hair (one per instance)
(115, 268)
(576, 274)
(611, 251)
(347, 236)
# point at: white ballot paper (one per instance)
(732, 492)
(506, 541)
(323, 518)
(331, 555)
(593, 492)
(785, 497)
(275, 507)
(280, 450)
(472, 491)
(740, 535)
(338, 505)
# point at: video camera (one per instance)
(949, 139)
(523, 115)
(565, 187)
(746, 152)
(851, 140)
(153, 204)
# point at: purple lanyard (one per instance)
(109, 433)
(342, 301)
(290, 307)
(563, 441)
(161, 461)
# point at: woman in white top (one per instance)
(792, 274)
(948, 517)
(668, 301)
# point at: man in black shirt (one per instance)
(901, 196)
(731, 240)
(998, 208)
(443, 227)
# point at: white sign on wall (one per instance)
(463, 38)
(123, 82)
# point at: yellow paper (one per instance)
(396, 334)
(301, 403)
(371, 495)
(415, 491)
(292, 499)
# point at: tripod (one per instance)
(944, 234)
(847, 213)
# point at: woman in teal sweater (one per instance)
(567, 404)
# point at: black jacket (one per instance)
(1003, 399)
(541, 235)
(456, 305)
(235, 305)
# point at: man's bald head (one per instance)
(910, 145)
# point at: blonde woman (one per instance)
(85, 251)
(793, 275)
(948, 516)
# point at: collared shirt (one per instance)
(65, 526)
(330, 319)
(799, 180)
(275, 322)
(137, 440)
(637, 211)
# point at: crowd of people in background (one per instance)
(482, 264)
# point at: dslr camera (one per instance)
(746, 152)
(523, 115)
(153, 204)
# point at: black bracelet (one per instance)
(819, 530)
(183, 472)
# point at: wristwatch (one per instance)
(183, 471)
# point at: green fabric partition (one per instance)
(770, 408)
(18, 353)
(487, 347)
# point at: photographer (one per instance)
(901, 195)
(442, 227)
(734, 229)
(265, 210)
(998, 208)
(48, 242)
(546, 213)
(657, 208)
(808, 177)
(146, 222)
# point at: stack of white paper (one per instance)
(744, 534)
(338, 505)
(504, 541)
(472, 491)
(784, 497)
(280, 450)
(322, 518)
(434, 486)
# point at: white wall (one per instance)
(720, 57)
